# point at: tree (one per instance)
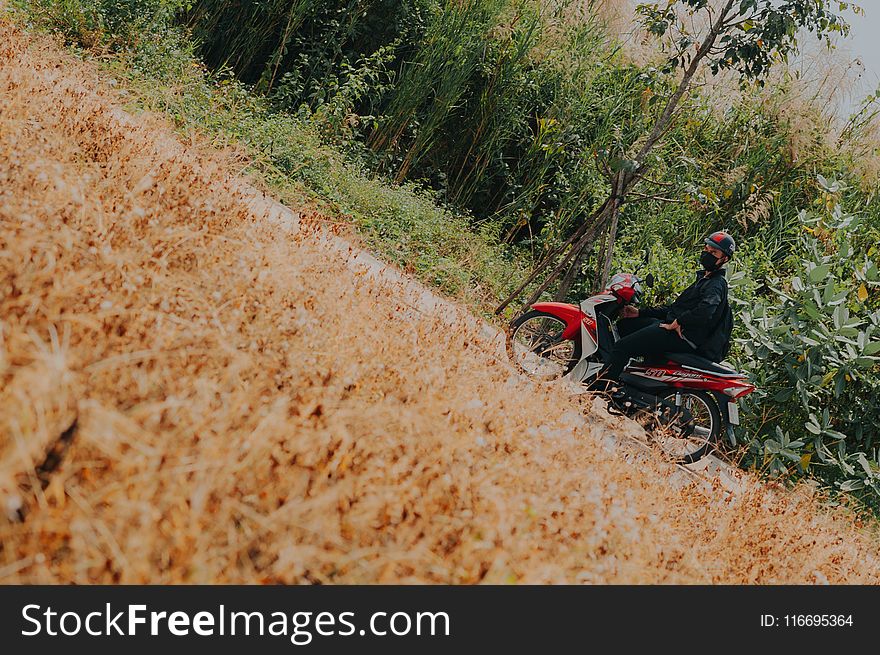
(743, 36)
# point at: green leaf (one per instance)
(811, 310)
(783, 396)
(820, 273)
(872, 348)
(838, 298)
(839, 385)
(839, 315)
(863, 461)
(828, 377)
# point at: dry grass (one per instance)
(248, 410)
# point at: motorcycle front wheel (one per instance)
(685, 436)
(536, 348)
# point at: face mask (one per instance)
(707, 259)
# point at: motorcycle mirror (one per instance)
(649, 280)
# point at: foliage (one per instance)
(812, 345)
(334, 102)
(114, 23)
(492, 102)
(755, 34)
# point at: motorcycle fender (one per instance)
(571, 314)
(729, 411)
(729, 414)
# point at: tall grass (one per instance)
(494, 119)
(481, 93)
(250, 38)
(431, 86)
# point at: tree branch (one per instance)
(643, 196)
(666, 117)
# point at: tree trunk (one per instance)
(609, 249)
(584, 242)
(666, 117)
(571, 274)
(551, 256)
(580, 241)
(600, 257)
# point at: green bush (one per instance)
(105, 23)
(811, 344)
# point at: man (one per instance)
(688, 325)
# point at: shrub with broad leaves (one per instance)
(812, 343)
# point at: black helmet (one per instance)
(723, 241)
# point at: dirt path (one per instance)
(246, 405)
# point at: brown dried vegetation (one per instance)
(248, 410)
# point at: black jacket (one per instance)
(699, 309)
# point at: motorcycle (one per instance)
(685, 401)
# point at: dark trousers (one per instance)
(642, 336)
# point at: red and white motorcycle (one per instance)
(685, 400)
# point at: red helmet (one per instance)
(723, 241)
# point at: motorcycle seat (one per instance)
(698, 363)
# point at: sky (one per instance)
(863, 45)
(857, 57)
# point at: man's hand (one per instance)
(674, 326)
(629, 311)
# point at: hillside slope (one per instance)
(226, 402)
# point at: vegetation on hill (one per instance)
(466, 139)
(226, 400)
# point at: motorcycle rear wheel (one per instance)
(686, 440)
(536, 348)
